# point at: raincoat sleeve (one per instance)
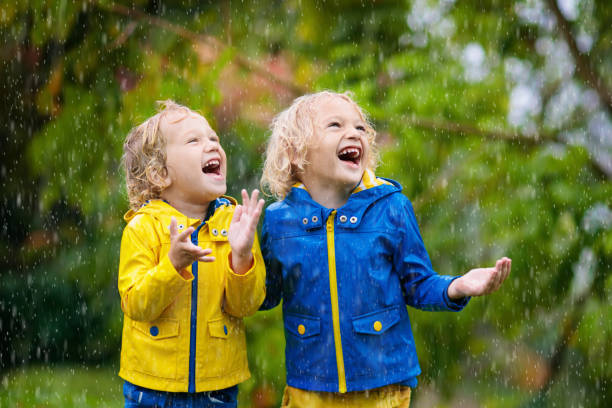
(147, 284)
(423, 288)
(244, 293)
(274, 275)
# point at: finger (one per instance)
(502, 273)
(237, 214)
(195, 251)
(499, 279)
(206, 259)
(507, 266)
(253, 218)
(245, 198)
(259, 208)
(491, 279)
(254, 196)
(184, 236)
(173, 228)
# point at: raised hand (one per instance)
(481, 281)
(241, 234)
(182, 251)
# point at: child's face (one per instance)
(338, 153)
(195, 160)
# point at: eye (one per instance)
(334, 124)
(214, 138)
(193, 140)
(361, 128)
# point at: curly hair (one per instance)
(292, 131)
(144, 155)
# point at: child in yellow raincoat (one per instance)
(190, 266)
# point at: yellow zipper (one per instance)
(333, 290)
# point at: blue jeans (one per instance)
(136, 396)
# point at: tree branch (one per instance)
(527, 140)
(201, 38)
(583, 63)
(466, 129)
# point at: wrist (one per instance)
(180, 269)
(240, 263)
(455, 289)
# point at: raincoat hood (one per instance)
(163, 212)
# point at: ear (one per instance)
(160, 178)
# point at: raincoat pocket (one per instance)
(302, 326)
(156, 352)
(159, 329)
(225, 350)
(377, 322)
(305, 342)
(218, 328)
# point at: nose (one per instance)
(353, 134)
(211, 146)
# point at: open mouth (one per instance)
(350, 154)
(212, 167)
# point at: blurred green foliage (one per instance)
(499, 132)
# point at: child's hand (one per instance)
(241, 232)
(182, 251)
(480, 281)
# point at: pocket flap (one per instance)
(158, 329)
(377, 322)
(302, 326)
(218, 328)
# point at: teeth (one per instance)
(212, 163)
(349, 152)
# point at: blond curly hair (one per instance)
(292, 131)
(144, 155)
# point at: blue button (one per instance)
(154, 331)
(225, 329)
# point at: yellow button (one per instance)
(301, 329)
(377, 325)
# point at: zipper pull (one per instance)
(330, 221)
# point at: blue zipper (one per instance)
(194, 314)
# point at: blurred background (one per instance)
(494, 115)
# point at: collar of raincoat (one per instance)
(349, 216)
(162, 211)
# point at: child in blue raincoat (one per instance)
(344, 252)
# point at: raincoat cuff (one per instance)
(454, 305)
(245, 275)
(166, 265)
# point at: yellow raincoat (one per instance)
(184, 334)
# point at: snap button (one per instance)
(304, 221)
(215, 232)
(353, 219)
(377, 326)
(343, 218)
(224, 233)
(154, 331)
(301, 329)
(225, 329)
(315, 218)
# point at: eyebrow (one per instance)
(199, 132)
(336, 118)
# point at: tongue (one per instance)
(211, 169)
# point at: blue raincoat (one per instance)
(345, 277)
